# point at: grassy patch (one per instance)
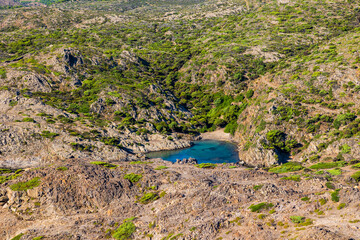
(132, 177)
(38, 238)
(27, 119)
(356, 176)
(260, 206)
(48, 134)
(297, 219)
(335, 172)
(125, 230)
(330, 185)
(323, 201)
(206, 165)
(305, 199)
(22, 186)
(105, 164)
(139, 162)
(5, 170)
(327, 165)
(17, 237)
(257, 187)
(149, 197)
(296, 178)
(356, 165)
(4, 179)
(287, 167)
(161, 167)
(335, 195)
(62, 168)
(341, 206)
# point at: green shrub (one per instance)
(149, 197)
(356, 165)
(257, 187)
(297, 219)
(48, 134)
(22, 186)
(140, 162)
(335, 195)
(38, 238)
(296, 178)
(132, 177)
(104, 164)
(335, 172)
(260, 206)
(287, 167)
(323, 201)
(27, 119)
(330, 185)
(341, 206)
(18, 237)
(327, 165)
(125, 230)
(5, 170)
(206, 165)
(305, 199)
(249, 94)
(62, 168)
(161, 167)
(276, 139)
(356, 176)
(231, 128)
(345, 148)
(4, 179)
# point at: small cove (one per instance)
(205, 151)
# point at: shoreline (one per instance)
(218, 135)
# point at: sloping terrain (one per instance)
(86, 201)
(107, 81)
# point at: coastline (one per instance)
(217, 135)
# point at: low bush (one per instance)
(335, 172)
(296, 178)
(23, 186)
(287, 167)
(257, 187)
(48, 134)
(356, 176)
(125, 230)
(132, 177)
(335, 195)
(326, 165)
(297, 219)
(27, 119)
(260, 206)
(149, 197)
(105, 164)
(161, 167)
(62, 168)
(206, 165)
(341, 206)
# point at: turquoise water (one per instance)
(207, 151)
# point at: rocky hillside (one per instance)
(107, 81)
(160, 200)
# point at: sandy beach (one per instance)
(217, 135)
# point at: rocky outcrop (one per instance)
(80, 198)
(186, 161)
